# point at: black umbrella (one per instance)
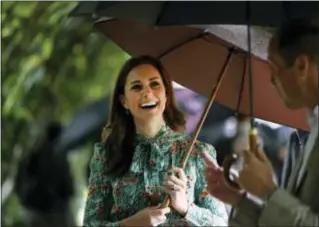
(86, 124)
(265, 13)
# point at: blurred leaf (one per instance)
(52, 66)
(47, 48)
(24, 10)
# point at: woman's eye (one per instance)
(155, 84)
(137, 87)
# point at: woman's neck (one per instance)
(149, 129)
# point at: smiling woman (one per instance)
(141, 80)
(129, 167)
(145, 97)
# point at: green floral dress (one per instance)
(110, 201)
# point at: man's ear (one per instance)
(302, 64)
(122, 100)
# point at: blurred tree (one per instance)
(271, 30)
(51, 66)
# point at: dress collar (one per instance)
(156, 153)
(164, 133)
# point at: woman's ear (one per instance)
(122, 100)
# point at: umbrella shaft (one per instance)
(210, 101)
(208, 106)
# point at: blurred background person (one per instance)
(44, 184)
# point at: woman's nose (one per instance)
(147, 90)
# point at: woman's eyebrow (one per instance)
(154, 78)
(138, 81)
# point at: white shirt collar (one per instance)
(313, 118)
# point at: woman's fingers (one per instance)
(177, 177)
(177, 181)
(172, 187)
(162, 211)
(159, 215)
(180, 173)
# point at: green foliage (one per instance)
(52, 65)
(268, 29)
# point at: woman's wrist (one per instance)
(183, 212)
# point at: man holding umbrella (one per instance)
(294, 61)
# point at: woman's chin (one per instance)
(149, 115)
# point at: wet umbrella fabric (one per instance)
(194, 56)
(271, 13)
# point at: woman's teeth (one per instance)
(149, 105)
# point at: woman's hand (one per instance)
(150, 216)
(175, 184)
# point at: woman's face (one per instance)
(144, 93)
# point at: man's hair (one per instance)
(296, 37)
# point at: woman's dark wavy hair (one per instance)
(120, 131)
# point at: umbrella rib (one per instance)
(241, 86)
(225, 44)
(250, 70)
(175, 47)
(160, 15)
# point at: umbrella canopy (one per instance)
(194, 57)
(193, 104)
(86, 124)
(270, 13)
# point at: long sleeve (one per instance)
(283, 204)
(100, 199)
(282, 209)
(246, 213)
(206, 210)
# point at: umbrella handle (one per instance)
(231, 159)
(166, 202)
(253, 139)
(227, 164)
(210, 101)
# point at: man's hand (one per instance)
(256, 177)
(216, 184)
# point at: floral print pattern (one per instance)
(110, 201)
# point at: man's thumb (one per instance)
(261, 155)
